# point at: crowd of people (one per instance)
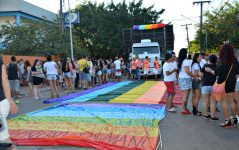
(199, 75)
(67, 74)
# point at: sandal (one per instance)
(234, 121)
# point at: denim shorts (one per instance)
(237, 86)
(87, 77)
(67, 74)
(51, 76)
(14, 85)
(185, 83)
(206, 89)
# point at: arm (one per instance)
(7, 91)
(28, 72)
(186, 68)
(170, 72)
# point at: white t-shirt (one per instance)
(195, 67)
(117, 64)
(50, 67)
(186, 63)
(169, 67)
(175, 65)
(202, 63)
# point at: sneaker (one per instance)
(37, 98)
(172, 110)
(214, 118)
(207, 117)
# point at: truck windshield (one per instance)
(148, 50)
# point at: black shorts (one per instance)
(37, 80)
(133, 71)
(196, 84)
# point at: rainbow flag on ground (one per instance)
(96, 125)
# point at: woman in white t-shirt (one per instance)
(185, 77)
(51, 69)
(196, 83)
(169, 72)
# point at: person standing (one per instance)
(208, 79)
(227, 65)
(28, 68)
(51, 69)
(67, 75)
(117, 64)
(13, 70)
(156, 68)
(6, 103)
(169, 73)
(196, 83)
(37, 78)
(185, 78)
(133, 68)
(138, 66)
(146, 67)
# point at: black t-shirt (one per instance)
(208, 78)
(222, 71)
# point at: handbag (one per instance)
(218, 90)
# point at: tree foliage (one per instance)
(33, 38)
(221, 25)
(100, 29)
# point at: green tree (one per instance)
(33, 38)
(221, 26)
(100, 29)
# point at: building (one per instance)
(19, 11)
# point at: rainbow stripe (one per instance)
(101, 126)
(149, 26)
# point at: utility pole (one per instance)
(72, 53)
(187, 35)
(62, 23)
(201, 3)
(61, 17)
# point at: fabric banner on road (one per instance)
(132, 95)
(100, 126)
(96, 93)
(73, 95)
(117, 92)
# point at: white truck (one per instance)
(150, 49)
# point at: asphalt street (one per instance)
(178, 132)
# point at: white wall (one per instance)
(20, 5)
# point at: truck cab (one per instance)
(147, 48)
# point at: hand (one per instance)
(13, 107)
(176, 83)
(208, 69)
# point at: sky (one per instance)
(176, 11)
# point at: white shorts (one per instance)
(118, 73)
(156, 71)
(4, 111)
(146, 71)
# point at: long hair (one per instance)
(226, 54)
(35, 62)
(26, 64)
(181, 56)
(195, 57)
